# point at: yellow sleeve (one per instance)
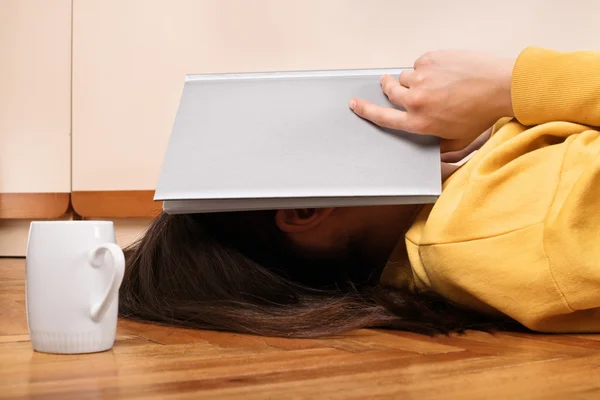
(552, 86)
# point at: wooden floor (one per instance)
(149, 361)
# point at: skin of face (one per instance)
(371, 233)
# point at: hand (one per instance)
(457, 156)
(455, 95)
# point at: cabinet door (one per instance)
(35, 108)
(130, 58)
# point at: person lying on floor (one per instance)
(512, 239)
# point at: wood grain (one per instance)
(158, 362)
(116, 204)
(33, 205)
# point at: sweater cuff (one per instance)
(548, 86)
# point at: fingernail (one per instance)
(352, 104)
(381, 78)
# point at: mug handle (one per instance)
(96, 260)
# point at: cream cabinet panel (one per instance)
(35, 96)
(130, 57)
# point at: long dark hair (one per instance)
(236, 272)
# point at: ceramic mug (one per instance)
(74, 271)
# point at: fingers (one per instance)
(459, 149)
(406, 77)
(453, 146)
(383, 116)
(448, 169)
(393, 90)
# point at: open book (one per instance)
(288, 140)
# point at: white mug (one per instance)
(74, 271)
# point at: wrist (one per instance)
(504, 83)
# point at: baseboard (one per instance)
(128, 230)
(13, 233)
(13, 237)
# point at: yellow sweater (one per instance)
(517, 229)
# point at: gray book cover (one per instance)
(288, 139)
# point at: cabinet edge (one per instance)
(33, 205)
(115, 204)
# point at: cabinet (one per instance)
(111, 72)
(35, 108)
(130, 58)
